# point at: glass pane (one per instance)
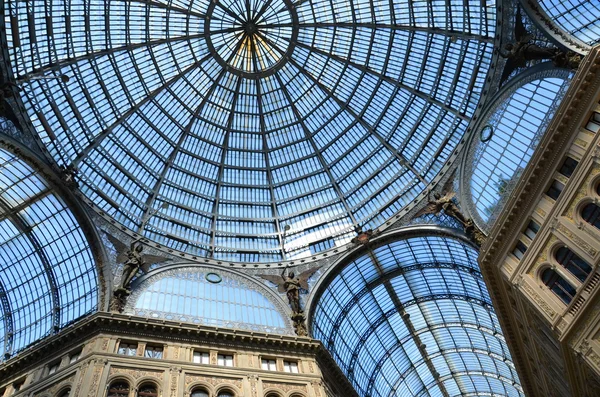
(185, 294)
(445, 301)
(48, 273)
(333, 132)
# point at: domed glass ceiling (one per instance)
(209, 126)
(578, 17)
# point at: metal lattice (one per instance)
(414, 318)
(208, 126)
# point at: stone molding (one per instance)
(124, 326)
(573, 112)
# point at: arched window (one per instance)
(118, 389)
(199, 393)
(147, 390)
(225, 393)
(64, 393)
(591, 214)
(574, 264)
(558, 285)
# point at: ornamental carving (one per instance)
(212, 380)
(591, 317)
(52, 390)
(95, 381)
(540, 212)
(284, 387)
(509, 268)
(583, 192)
(594, 358)
(543, 256)
(577, 240)
(175, 371)
(317, 387)
(82, 370)
(134, 373)
(89, 346)
(562, 325)
(581, 143)
(253, 385)
(570, 213)
(539, 300)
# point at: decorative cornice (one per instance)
(562, 129)
(564, 126)
(136, 327)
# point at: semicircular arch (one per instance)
(234, 300)
(383, 301)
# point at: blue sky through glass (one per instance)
(518, 124)
(47, 270)
(581, 18)
(449, 336)
(150, 116)
(186, 295)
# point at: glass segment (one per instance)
(47, 270)
(518, 124)
(581, 18)
(186, 295)
(245, 117)
(414, 318)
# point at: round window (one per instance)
(213, 278)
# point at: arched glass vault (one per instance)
(209, 126)
(580, 18)
(506, 137)
(48, 273)
(413, 318)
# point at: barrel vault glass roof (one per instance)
(580, 18)
(47, 271)
(414, 318)
(209, 126)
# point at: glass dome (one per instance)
(581, 18)
(208, 126)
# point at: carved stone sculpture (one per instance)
(133, 261)
(445, 203)
(292, 286)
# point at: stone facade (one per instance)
(86, 360)
(555, 341)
